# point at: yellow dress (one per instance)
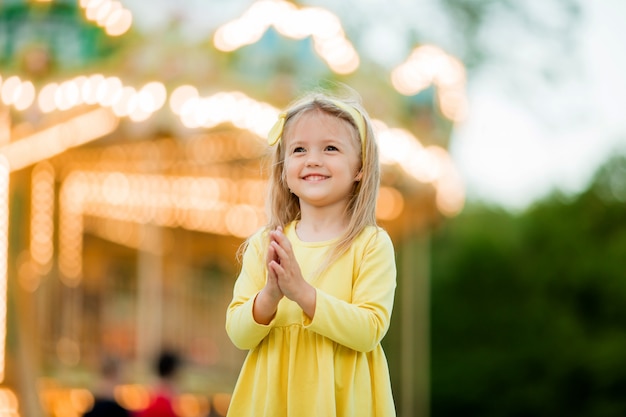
(332, 365)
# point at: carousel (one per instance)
(132, 168)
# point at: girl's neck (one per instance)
(319, 225)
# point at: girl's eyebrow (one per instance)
(327, 141)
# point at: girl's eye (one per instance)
(298, 149)
(331, 148)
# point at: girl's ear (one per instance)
(359, 176)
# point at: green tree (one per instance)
(528, 310)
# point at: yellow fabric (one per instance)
(332, 365)
(276, 132)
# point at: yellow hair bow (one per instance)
(277, 130)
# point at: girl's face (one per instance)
(321, 159)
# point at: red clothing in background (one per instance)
(161, 405)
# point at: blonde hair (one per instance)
(283, 206)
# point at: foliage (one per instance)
(528, 310)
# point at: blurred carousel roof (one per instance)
(152, 130)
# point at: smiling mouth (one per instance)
(314, 177)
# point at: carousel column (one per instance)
(415, 311)
(150, 294)
(19, 347)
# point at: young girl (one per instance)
(315, 293)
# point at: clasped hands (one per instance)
(284, 278)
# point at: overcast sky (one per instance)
(511, 155)
(514, 148)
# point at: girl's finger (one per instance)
(279, 236)
(271, 254)
(281, 253)
(277, 269)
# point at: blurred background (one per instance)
(133, 165)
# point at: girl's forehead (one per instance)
(313, 114)
(318, 120)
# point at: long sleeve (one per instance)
(332, 365)
(241, 327)
(363, 321)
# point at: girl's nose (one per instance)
(313, 159)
